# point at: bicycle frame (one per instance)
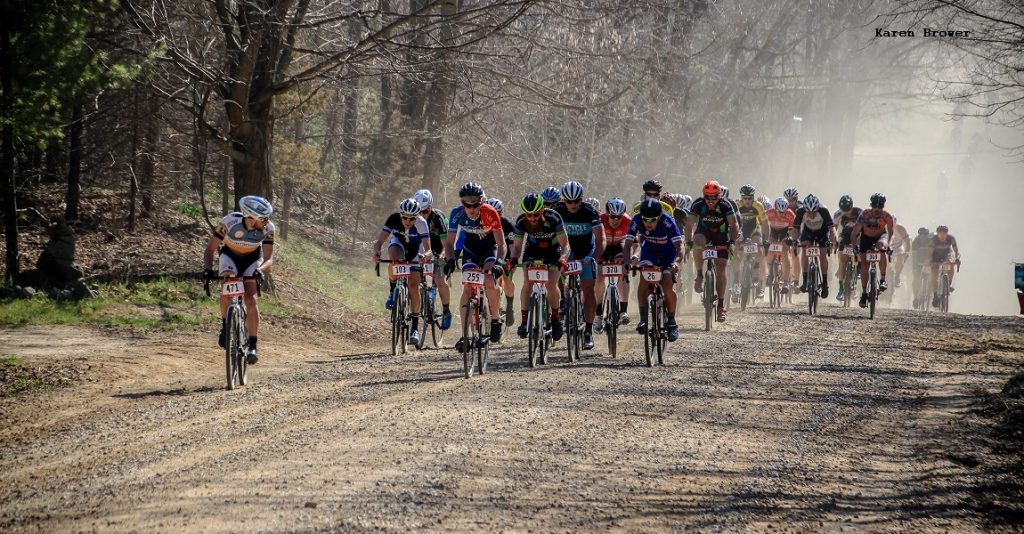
(611, 272)
(814, 276)
(538, 315)
(655, 338)
(474, 343)
(711, 296)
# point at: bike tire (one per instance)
(436, 334)
(873, 297)
(403, 334)
(812, 288)
(422, 326)
(545, 323)
(242, 365)
(848, 284)
(396, 325)
(745, 286)
(571, 331)
(467, 339)
(710, 298)
(534, 331)
(945, 293)
(483, 346)
(648, 338)
(611, 320)
(231, 346)
(659, 331)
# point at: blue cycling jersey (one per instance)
(475, 234)
(661, 239)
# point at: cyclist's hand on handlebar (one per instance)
(449, 267)
(589, 260)
(511, 263)
(376, 257)
(634, 261)
(209, 275)
(258, 275)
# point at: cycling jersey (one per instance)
(508, 227)
(817, 222)
(751, 218)
(920, 247)
(540, 237)
(658, 245)
(412, 240)
(875, 222)
(665, 207)
(241, 240)
(438, 227)
(943, 250)
(712, 222)
(613, 237)
(900, 239)
(477, 234)
(579, 226)
(779, 223)
(846, 224)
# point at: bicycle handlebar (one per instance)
(207, 279)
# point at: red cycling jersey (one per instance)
(780, 221)
(614, 236)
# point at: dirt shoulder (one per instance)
(774, 420)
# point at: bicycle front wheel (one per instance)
(483, 345)
(232, 346)
(534, 329)
(396, 323)
(611, 320)
(873, 297)
(812, 288)
(469, 321)
(709, 298)
(650, 335)
(659, 327)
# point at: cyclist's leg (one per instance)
(671, 298)
(699, 240)
(883, 242)
(442, 287)
(721, 275)
(587, 285)
(252, 309)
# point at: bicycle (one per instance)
(710, 255)
(849, 275)
(686, 290)
(236, 341)
(921, 287)
(429, 316)
(538, 318)
(574, 324)
(775, 276)
(749, 267)
(814, 276)
(945, 282)
(612, 271)
(400, 320)
(655, 338)
(873, 257)
(475, 344)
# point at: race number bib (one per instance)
(775, 247)
(848, 251)
(750, 249)
(813, 251)
(232, 287)
(873, 256)
(651, 275)
(574, 267)
(709, 254)
(428, 268)
(612, 269)
(946, 267)
(537, 274)
(473, 277)
(400, 270)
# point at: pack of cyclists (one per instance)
(559, 225)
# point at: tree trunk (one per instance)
(150, 140)
(7, 170)
(286, 211)
(133, 182)
(74, 194)
(225, 187)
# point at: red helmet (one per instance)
(712, 189)
(669, 199)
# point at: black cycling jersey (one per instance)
(579, 227)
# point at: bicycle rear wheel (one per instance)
(425, 313)
(231, 347)
(710, 285)
(659, 328)
(611, 319)
(467, 338)
(812, 288)
(873, 286)
(242, 363)
(649, 334)
(483, 345)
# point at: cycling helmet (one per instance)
(593, 203)
(472, 189)
(551, 194)
(255, 207)
(747, 190)
(725, 192)
(652, 185)
(409, 207)
(712, 189)
(685, 202)
(845, 202)
(763, 199)
(811, 203)
(532, 203)
(781, 204)
(670, 199)
(615, 206)
(496, 204)
(651, 208)
(425, 199)
(942, 228)
(572, 191)
(878, 200)
(791, 193)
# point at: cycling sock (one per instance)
(508, 301)
(555, 314)
(252, 342)
(623, 306)
(415, 322)
(522, 316)
(590, 328)
(445, 308)
(600, 310)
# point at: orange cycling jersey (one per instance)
(780, 221)
(614, 236)
(875, 222)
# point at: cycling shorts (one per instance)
(479, 256)
(718, 240)
(610, 252)
(409, 255)
(752, 231)
(778, 236)
(659, 257)
(939, 257)
(548, 255)
(869, 243)
(814, 238)
(232, 264)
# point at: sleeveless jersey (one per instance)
(240, 240)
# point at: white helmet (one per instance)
(615, 206)
(572, 191)
(496, 204)
(763, 199)
(781, 204)
(425, 199)
(594, 203)
(790, 192)
(685, 202)
(811, 203)
(255, 207)
(409, 207)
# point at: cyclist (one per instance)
(593, 203)
(684, 202)
(814, 226)
(438, 226)
(766, 203)
(484, 246)
(793, 197)
(780, 221)
(616, 226)
(845, 218)
(507, 284)
(920, 258)
(943, 249)
(678, 214)
(753, 228)
(661, 246)
(652, 189)
(551, 196)
(546, 241)
(586, 241)
(712, 222)
(408, 238)
(246, 242)
(872, 232)
(900, 249)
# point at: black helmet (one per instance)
(922, 231)
(652, 185)
(845, 202)
(878, 201)
(747, 190)
(472, 189)
(532, 203)
(942, 228)
(651, 208)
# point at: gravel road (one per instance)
(774, 421)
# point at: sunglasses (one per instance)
(407, 218)
(472, 206)
(615, 216)
(651, 219)
(534, 215)
(710, 199)
(577, 201)
(746, 197)
(426, 210)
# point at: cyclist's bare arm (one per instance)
(425, 251)
(268, 257)
(499, 241)
(734, 229)
(517, 247)
(688, 230)
(380, 242)
(855, 233)
(599, 241)
(211, 249)
(563, 241)
(449, 245)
